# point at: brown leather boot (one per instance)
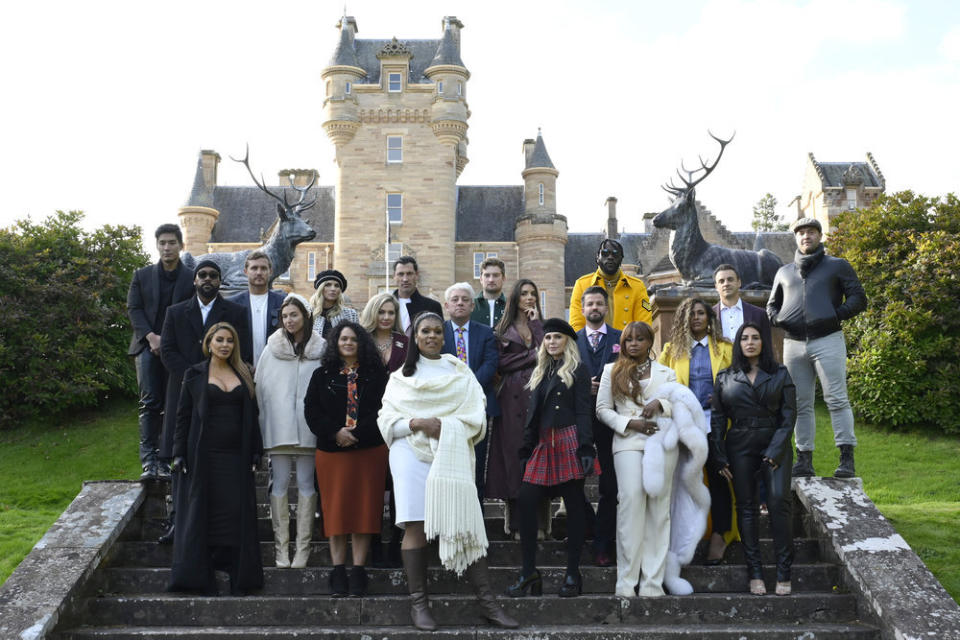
(415, 564)
(479, 577)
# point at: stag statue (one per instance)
(694, 257)
(291, 231)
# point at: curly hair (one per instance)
(367, 357)
(681, 339)
(622, 383)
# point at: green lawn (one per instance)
(913, 478)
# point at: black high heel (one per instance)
(533, 582)
(572, 586)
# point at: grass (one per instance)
(43, 466)
(914, 479)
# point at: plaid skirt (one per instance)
(554, 459)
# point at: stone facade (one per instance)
(832, 187)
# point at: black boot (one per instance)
(804, 466)
(846, 468)
(339, 584)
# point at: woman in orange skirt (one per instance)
(341, 408)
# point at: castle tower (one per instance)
(198, 215)
(400, 145)
(541, 233)
(832, 187)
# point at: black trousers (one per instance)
(152, 385)
(606, 523)
(721, 502)
(745, 449)
(527, 501)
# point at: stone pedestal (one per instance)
(665, 303)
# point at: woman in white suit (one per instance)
(627, 403)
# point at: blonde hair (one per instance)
(569, 362)
(622, 383)
(316, 302)
(368, 317)
(234, 360)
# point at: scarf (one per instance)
(806, 262)
(453, 513)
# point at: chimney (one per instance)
(296, 177)
(451, 24)
(528, 145)
(209, 160)
(612, 218)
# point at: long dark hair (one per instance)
(368, 360)
(298, 347)
(512, 309)
(413, 350)
(767, 362)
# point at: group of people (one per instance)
(494, 402)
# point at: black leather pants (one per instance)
(745, 449)
(527, 503)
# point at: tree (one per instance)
(64, 335)
(765, 216)
(903, 364)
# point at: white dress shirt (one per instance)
(731, 318)
(258, 313)
(205, 309)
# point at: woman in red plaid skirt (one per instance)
(557, 452)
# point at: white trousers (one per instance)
(643, 525)
(282, 464)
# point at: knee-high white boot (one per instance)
(306, 507)
(280, 515)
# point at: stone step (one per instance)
(504, 553)
(315, 580)
(716, 609)
(757, 631)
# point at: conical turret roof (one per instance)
(201, 195)
(448, 52)
(345, 55)
(539, 158)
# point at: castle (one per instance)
(397, 114)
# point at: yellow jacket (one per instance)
(630, 301)
(681, 365)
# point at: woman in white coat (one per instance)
(626, 403)
(283, 375)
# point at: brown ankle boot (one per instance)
(415, 564)
(479, 577)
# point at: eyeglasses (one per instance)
(208, 275)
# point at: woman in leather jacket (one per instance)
(756, 397)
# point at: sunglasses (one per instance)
(208, 275)
(607, 253)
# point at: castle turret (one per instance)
(340, 110)
(449, 113)
(541, 233)
(197, 216)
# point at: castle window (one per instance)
(478, 258)
(394, 149)
(459, 88)
(347, 88)
(395, 208)
(543, 300)
(540, 189)
(311, 266)
(394, 251)
(851, 198)
(394, 83)
(440, 86)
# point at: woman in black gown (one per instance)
(217, 446)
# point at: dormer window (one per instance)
(394, 83)
(851, 198)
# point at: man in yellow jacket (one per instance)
(628, 295)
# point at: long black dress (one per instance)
(219, 437)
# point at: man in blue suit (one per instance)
(599, 345)
(261, 302)
(474, 344)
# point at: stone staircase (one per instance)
(126, 596)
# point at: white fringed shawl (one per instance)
(453, 513)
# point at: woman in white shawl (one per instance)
(432, 415)
(283, 375)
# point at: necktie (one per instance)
(595, 340)
(461, 346)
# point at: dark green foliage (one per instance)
(64, 330)
(905, 349)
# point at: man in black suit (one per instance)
(474, 344)
(732, 310)
(599, 345)
(181, 345)
(261, 302)
(406, 274)
(153, 289)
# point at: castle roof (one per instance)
(247, 212)
(345, 54)
(422, 52)
(837, 175)
(539, 158)
(488, 214)
(201, 195)
(449, 50)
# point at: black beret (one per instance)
(207, 263)
(330, 274)
(559, 325)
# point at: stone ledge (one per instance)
(891, 583)
(36, 593)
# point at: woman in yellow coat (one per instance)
(696, 352)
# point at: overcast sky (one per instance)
(107, 104)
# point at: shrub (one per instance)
(64, 331)
(905, 349)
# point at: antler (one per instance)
(246, 163)
(300, 205)
(689, 182)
